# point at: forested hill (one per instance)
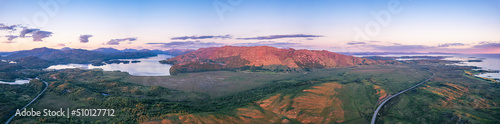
(65, 56)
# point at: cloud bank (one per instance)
(202, 37)
(37, 34)
(27, 31)
(356, 43)
(117, 41)
(269, 43)
(488, 45)
(6, 27)
(188, 44)
(280, 36)
(85, 38)
(451, 44)
(11, 37)
(200, 44)
(409, 48)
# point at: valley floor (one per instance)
(339, 95)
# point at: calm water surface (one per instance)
(151, 66)
(489, 61)
(17, 82)
(147, 67)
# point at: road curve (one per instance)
(382, 104)
(46, 85)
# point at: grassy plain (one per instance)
(338, 95)
(13, 97)
(214, 84)
(451, 97)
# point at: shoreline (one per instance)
(17, 82)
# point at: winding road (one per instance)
(46, 85)
(382, 104)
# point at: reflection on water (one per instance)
(57, 67)
(147, 67)
(489, 61)
(17, 82)
(151, 66)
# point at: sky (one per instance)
(453, 26)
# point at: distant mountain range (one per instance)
(263, 57)
(386, 53)
(173, 52)
(107, 50)
(5, 53)
(68, 55)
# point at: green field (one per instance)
(450, 97)
(214, 84)
(351, 94)
(16, 96)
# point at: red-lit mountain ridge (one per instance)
(237, 57)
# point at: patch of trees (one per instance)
(16, 96)
(78, 56)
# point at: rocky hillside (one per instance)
(263, 57)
